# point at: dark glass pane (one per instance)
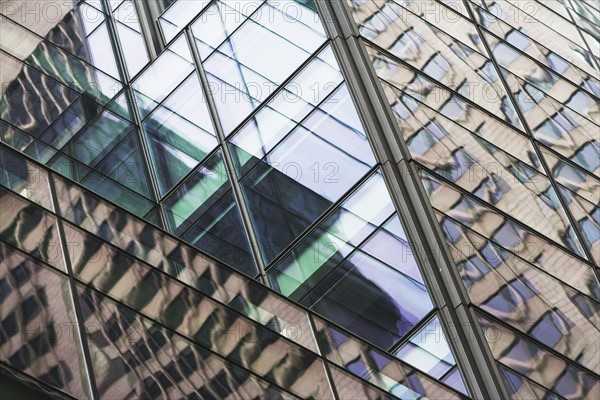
(38, 326)
(203, 212)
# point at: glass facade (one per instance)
(303, 199)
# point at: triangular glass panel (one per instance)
(357, 269)
(428, 350)
(170, 164)
(203, 212)
(296, 174)
(126, 165)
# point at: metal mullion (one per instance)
(412, 331)
(418, 72)
(530, 264)
(73, 290)
(111, 9)
(354, 250)
(191, 172)
(523, 335)
(51, 43)
(470, 11)
(238, 65)
(146, 22)
(504, 214)
(585, 43)
(324, 216)
(576, 229)
(72, 161)
(161, 34)
(187, 338)
(208, 257)
(324, 360)
(534, 383)
(227, 158)
(434, 259)
(542, 65)
(168, 7)
(135, 114)
(33, 383)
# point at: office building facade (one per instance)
(261, 199)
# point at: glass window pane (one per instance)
(30, 228)
(242, 76)
(163, 76)
(524, 357)
(38, 326)
(135, 357)
(302, 175)
(203, 212)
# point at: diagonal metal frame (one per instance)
(474, 359)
